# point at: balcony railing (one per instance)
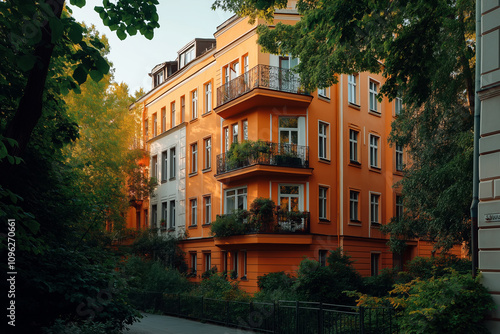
(264, 153)
(261, 76)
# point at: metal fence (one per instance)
(280, 317)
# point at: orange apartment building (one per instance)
(340, 169)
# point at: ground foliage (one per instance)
(426, 52)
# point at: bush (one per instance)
(217, 287)
(327, 284)
(230, 224)
(276, 286)
(427, 267)
(381, 284)
(453, 303)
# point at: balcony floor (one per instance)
(261, 238)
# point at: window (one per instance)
(146, 128)
(374, 159)
(235, 133)
(183, 108)
(172, 214)
(172, 163)
(208, 98)
(155, 125)
(244, 265)
(289, 130)
(154, 167)
(322, 202)
(224, 261)
(398, 106)
(154, 216)
(354, 206)
(193, 262)
(235, 262)
(352, 89)
(375, 209)
(208, 210)
(194, 158)
(226, 139)
(322, 257)
(244, 125)
(194, 104)
(159, 77)
(373, 96)
(323, 140)
(194, 211)
(399, 206)
(163, 214)
(164, 165)
(208, 261)
(172, 114)
(235, 199)
(245, 64)
(186, 57)
(399, 157)
(163, 119)
(324, 92)
(289, 196)
(353, 145)
(208, 153)
(375, 259)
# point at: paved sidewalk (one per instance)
(163, 324)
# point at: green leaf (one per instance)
(102, 65)
(96, 75)
(149, 34)
(131, 30)
(75, 32)
(26, 62)
(32, 225)
(78, 3)
(57, 28)
(121, 34)
(80, 75)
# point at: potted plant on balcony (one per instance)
(262, 215)
(288, 158)
(163, 224)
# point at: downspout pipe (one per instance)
(477, 124)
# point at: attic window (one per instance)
(159, 78)
(186, 57)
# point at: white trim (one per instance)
(270, 190)
(271, 127)
(307, 196)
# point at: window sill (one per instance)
(325, 161)
(398, 172)
(354, 223)
(193, 120)
(244, 278)
(375, 225)
(206, 170)
(191, 227)
(171, 229)
(324, 98)
(172, 178)
(355, 164)
(376, 169)
(375, 113)
(206, 225)
(354, 105)
(163, 181)
(206, 114)
(324, 221)
(193, 174)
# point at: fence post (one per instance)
(276, 316)
(320, 318)
(227, 312)
(297, 317)
(361, 320)
(202, 308)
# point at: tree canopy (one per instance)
(426, 52)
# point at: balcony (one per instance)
(281, 227)
(262, 85)
(252, 158)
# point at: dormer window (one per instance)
(186, 57)
(159, 78)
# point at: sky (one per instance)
(134, 57)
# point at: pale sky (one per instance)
(134, 57)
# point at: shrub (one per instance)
(453, 303)
(381, 284)
(276, 286)
(230, 224)
(427, 267)
(262, 212)
(217, 287)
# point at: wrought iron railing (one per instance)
(263, 76)
(266, 153)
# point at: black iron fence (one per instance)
(266, 153)
(262, 76)
(280, 317)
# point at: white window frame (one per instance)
(399, 206)
(398, 106)
(194, 104)
(289, 130)
(353, 145)
(375, 205)
(164, 212)
(374, 151)
(354, 205)
(324, 92)
(164, 119)
(373, 87)
(235, 134)
(300, 195)
(154, 165)
(323, 135)
(194, 157)
(193, 204)
(155, 124)
(154, 216)
(194, 260)
(172, 163)
(399, 158)
(323, 202)
(207, 202)
(172, 114)
(208, 260)
(171, 220)
(208, 153)
(244, 130)
(208, 97)
(164, 166)
(238, 192)
(352, 89)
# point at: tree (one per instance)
(425, 51)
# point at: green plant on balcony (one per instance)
(262, 214)
(209, 273)
(230, 224)
(295, 216)
(243, 154)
